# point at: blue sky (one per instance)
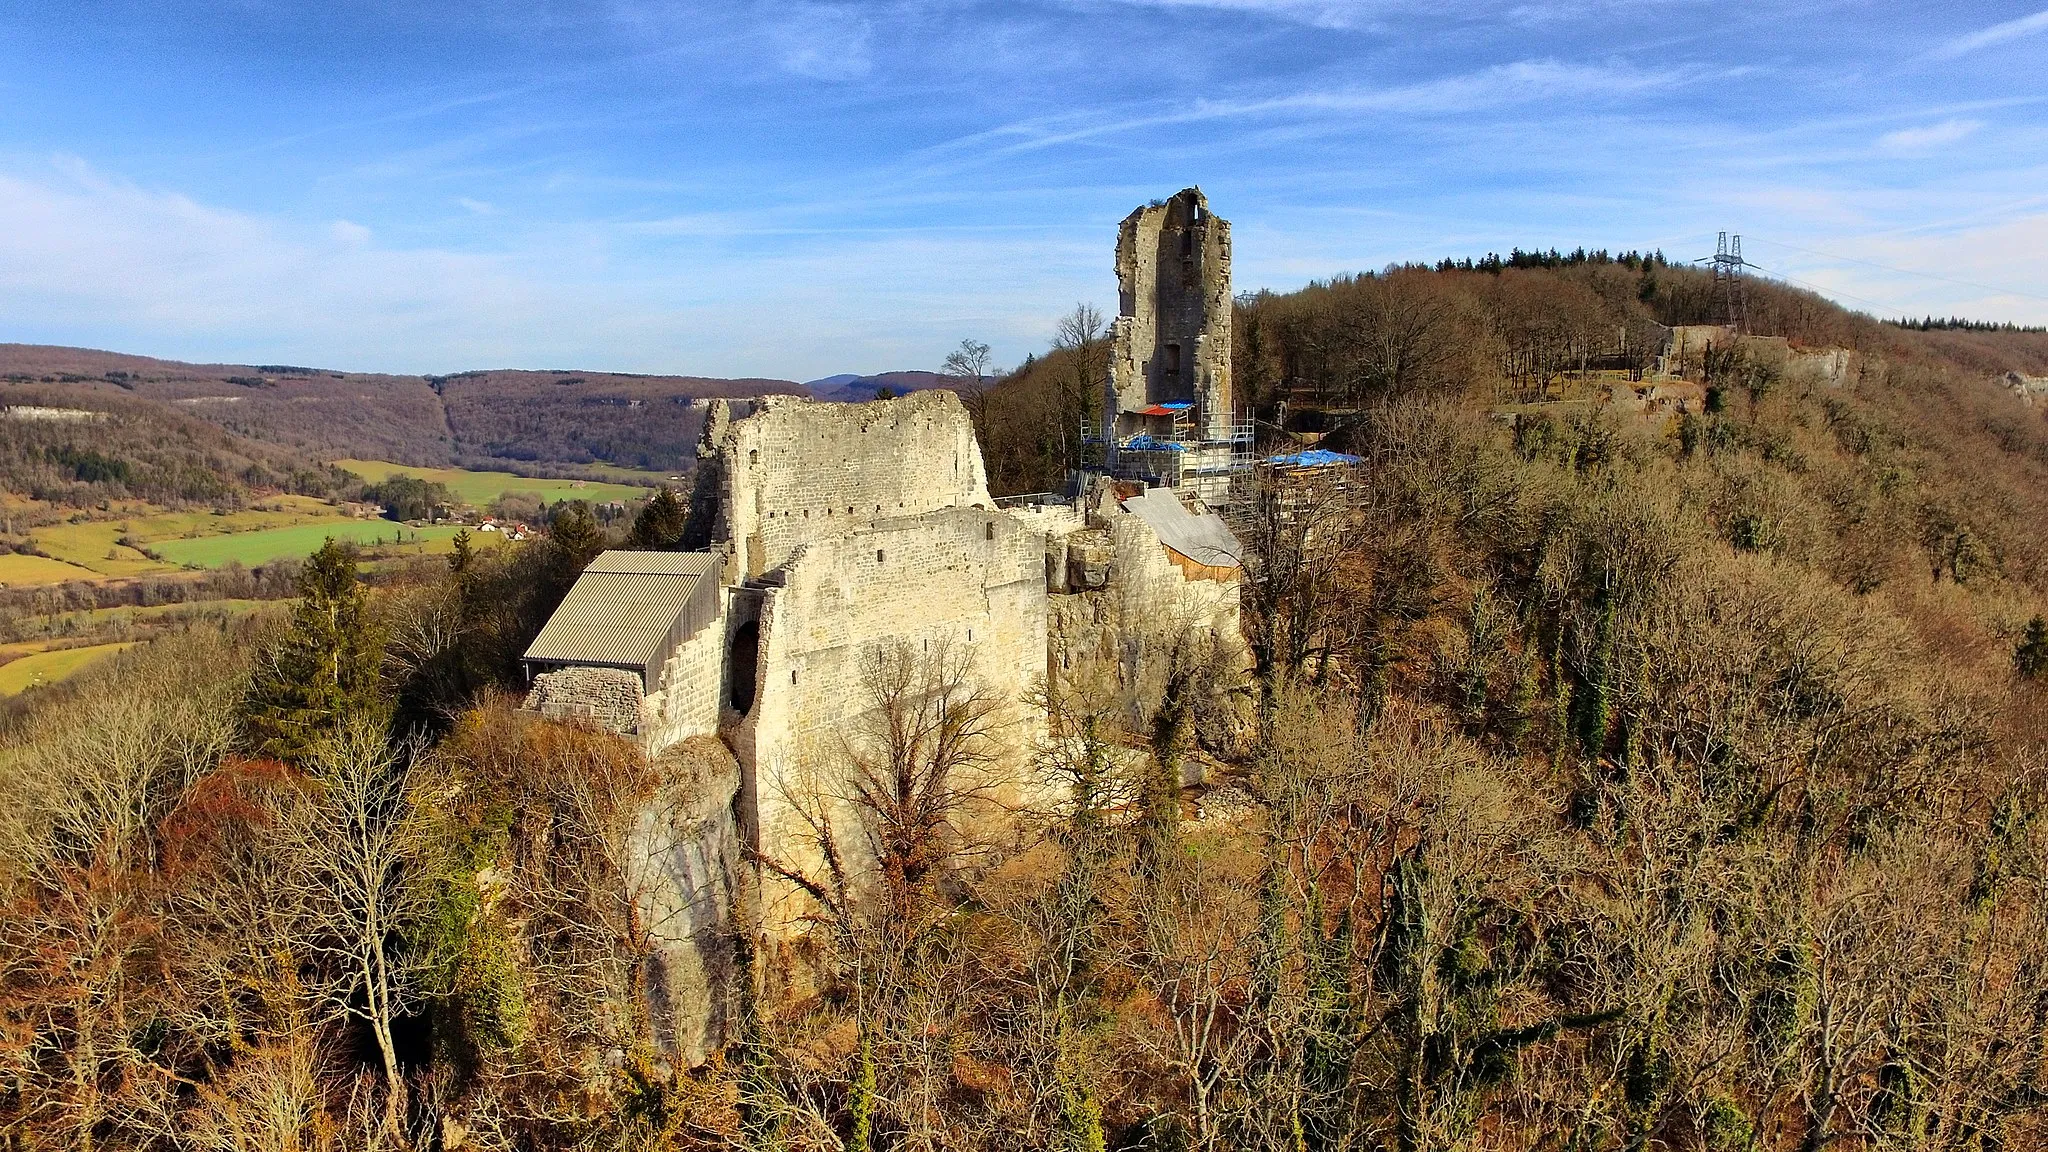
(794, 189)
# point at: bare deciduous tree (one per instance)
(352, 850)
(969, 371)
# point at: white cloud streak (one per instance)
(1933, 136)
(88, 258)
(1994, 35)
(1522, 82)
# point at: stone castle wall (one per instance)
(607, 697)
(689, 694)
(801, 470)
(965, 582)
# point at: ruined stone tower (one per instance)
(1168, 416)
(1171, 343)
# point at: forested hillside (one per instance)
(1604, 768)
(645, 422)
(545, 420)
(73, 448)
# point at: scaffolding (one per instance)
(1183, 459)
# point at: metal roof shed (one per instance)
(630, 610)
(1204, 540)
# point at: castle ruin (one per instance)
(825, 534)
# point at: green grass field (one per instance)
(49, 667)
(480, 488)
(252, 548)
(17, 570)
(94, 544)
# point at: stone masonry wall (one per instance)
(690, 689)
(607, 697)
(800, 471)
(965, 579)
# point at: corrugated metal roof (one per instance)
(624, 608)
(653, 563)
(1205, 539)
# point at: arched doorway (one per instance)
(743, 663)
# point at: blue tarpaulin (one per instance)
(1145, 443)
(1314, 458)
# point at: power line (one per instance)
(1728, 263)
(1830, 291)
(1901, 271)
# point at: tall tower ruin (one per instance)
(1168, 413)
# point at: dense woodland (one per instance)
(134, 450)
(1583, 783)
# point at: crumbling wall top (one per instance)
(801, 470)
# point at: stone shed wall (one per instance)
(607, 697)
(801, 471)
(690, 690)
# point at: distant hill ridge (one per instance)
(851, 387)
(562, 419)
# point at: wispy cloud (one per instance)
(1996, 34)
(95, 259)
(1316, 13)
(822, 41)
(1502, 85)
(1370, 14)
(1926, 139)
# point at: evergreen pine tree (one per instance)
(2030, 659)
(659, 527)
(575, 537)
(325, 669)
(464, 555)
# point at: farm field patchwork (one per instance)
(49, 667)
(480, 488)
(97, 544)
(261, 547)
